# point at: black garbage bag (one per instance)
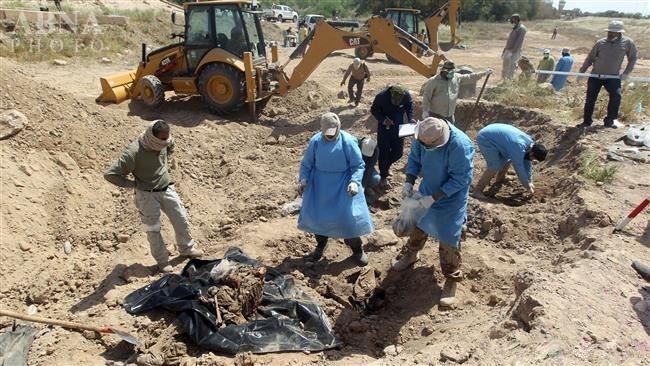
(286, 320)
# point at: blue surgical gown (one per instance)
(500, 143)
(447, 169)
(564, 64)
(327, 208)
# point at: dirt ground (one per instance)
(547, 281)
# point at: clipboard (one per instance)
(407, 129)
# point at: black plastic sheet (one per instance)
(286, 320)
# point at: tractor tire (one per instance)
(222, 87)
(295, 19)
(363, 52)
(153, 91)
(280, 19)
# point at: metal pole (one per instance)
(599, 76)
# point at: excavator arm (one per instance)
(433, 22)
(325, 39)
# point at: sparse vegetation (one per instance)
(522, 92)
(633, 95)
(591, 168)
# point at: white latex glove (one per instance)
(488, 71)
(624, 76)
(301, 186)
(531, 188)
(353, 189)
(426, 201)
(425, 114)
(407, 191)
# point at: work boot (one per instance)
(356, 103)
(358, 255)
(192, 253)
(321, 245)
(165, 267)
(448, 295)
(411, 256)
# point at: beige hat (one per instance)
(329, 124)
(615, 26)
(368, 146)
(432, 132)
(566, 50)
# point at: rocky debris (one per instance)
(106, 60)
(37, 296)
(106, 245)
(25, 247)
(529, 310)
(136, 271)
(12, 122)
(341, 95)
(123, 238)
(393, 350)
(89, 334)
(245, 359)
(59, 62)
(455, 354)
(271, 140)
(493, 300)
(65, 161)
(382, 238)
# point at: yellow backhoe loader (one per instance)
(222, 57)
(408, 21)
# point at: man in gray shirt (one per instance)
(146, 158)
(606, 58)
(512, 51)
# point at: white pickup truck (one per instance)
(310, 20)
(281, 13)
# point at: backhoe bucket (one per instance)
(446, 46)
(116, 88)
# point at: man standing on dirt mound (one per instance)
(502, 145)
(607, 57)
(389, 108)
(359, 73)
(146, 158)
(443, 155)
(333, 203)
(512, 51)
(440, 92)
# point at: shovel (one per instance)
(480, 94)
(70, 325)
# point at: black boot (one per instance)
(359, 256)
(321, 245)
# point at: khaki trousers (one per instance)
(510, 60)
(450, 257)
(149, 205)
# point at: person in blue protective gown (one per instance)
(442, 155)
(333, 203)
(503, 145)
(563, 64)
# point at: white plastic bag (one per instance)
(410, 213)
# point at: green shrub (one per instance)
(592, 169)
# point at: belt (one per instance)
(163, 189)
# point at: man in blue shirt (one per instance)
(503, 145)
(389, 108)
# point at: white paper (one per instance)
(407, 129)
